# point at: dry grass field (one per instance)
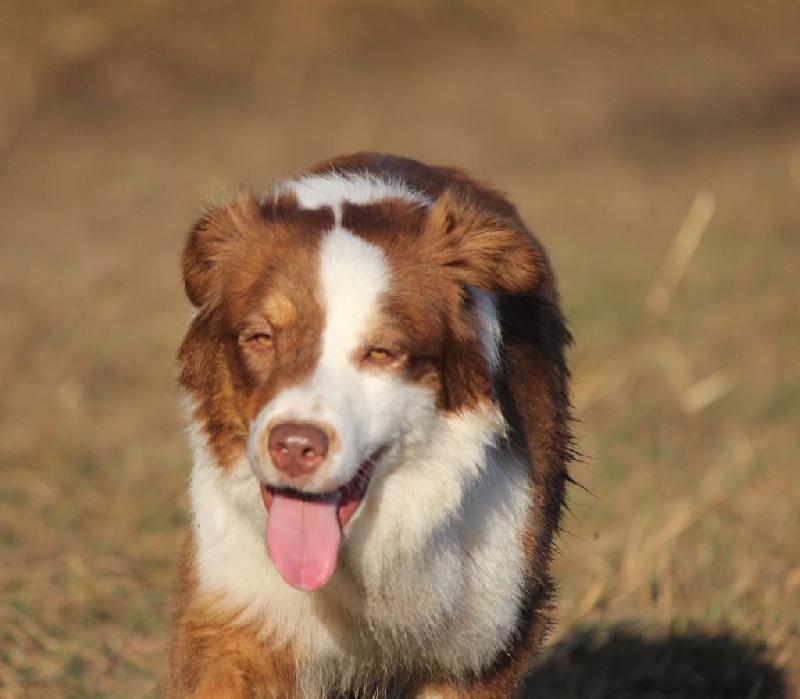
(655, 148)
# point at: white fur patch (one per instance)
(491, 336)
(368, 411)
(333, 189)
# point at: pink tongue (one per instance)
(303, 538)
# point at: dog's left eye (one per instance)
(379, 355)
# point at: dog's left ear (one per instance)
(486, 245)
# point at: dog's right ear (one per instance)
(214, 244)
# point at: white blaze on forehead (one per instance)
(334, 189)
(353, 274)
(362, 408)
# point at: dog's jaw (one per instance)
(399, 566)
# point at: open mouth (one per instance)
(304, 530)
(347, 498)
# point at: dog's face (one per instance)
(328, 339)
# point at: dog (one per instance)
(377, 397)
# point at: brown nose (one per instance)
(297, 449)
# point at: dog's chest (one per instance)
(447, 600)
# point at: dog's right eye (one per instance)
(261, 339)
(257, 339)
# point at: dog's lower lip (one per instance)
(348, 497)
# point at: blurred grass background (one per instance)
(654, 147)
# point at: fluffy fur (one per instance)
(407, 312)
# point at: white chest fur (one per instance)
(430, 574)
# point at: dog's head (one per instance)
(336, 320)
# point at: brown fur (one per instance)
(471, 235)
(212, 656)
(235, 247)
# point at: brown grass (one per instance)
(654, 146)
